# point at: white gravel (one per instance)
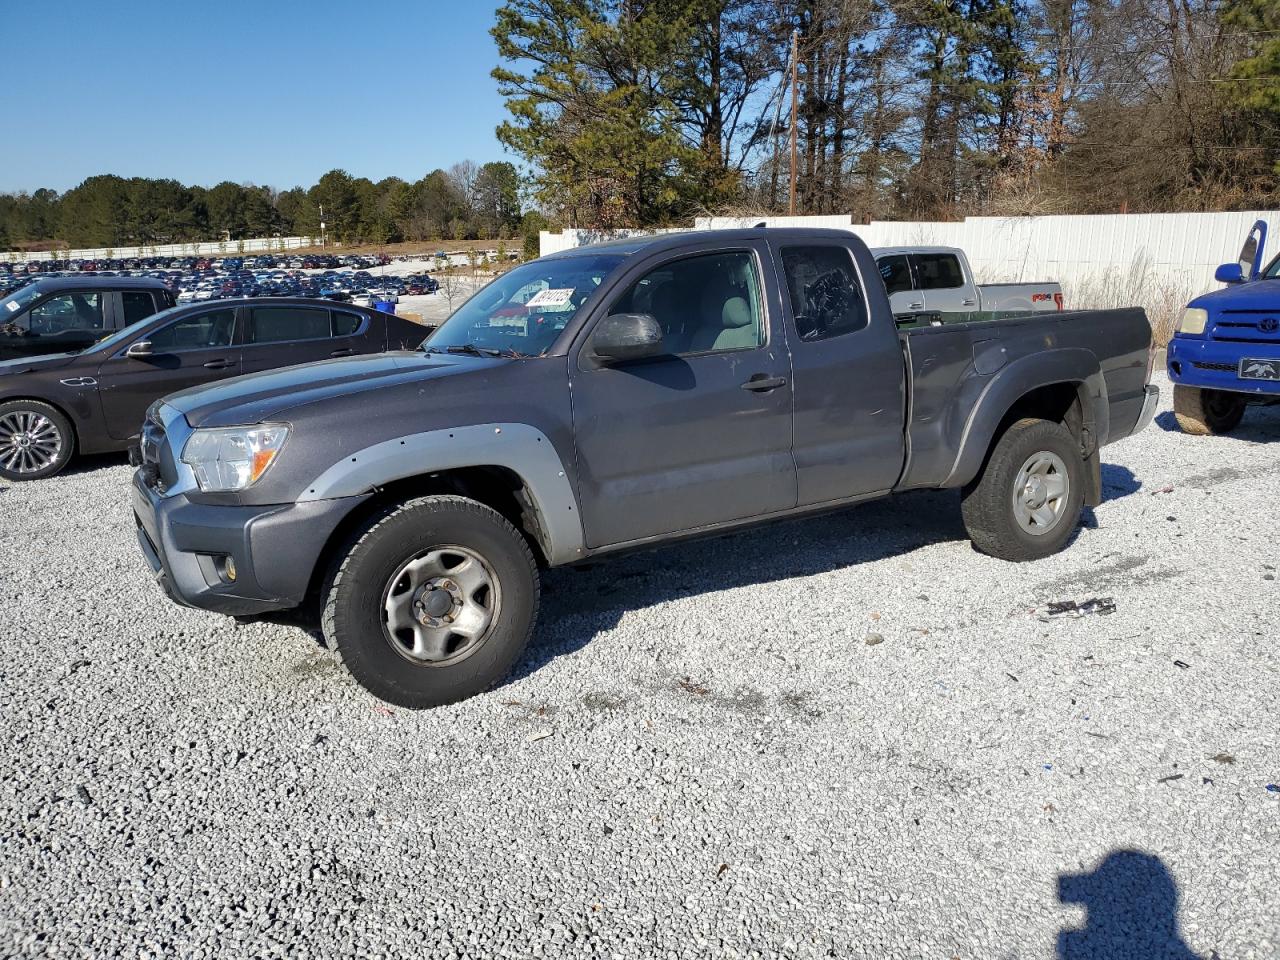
(700, 756)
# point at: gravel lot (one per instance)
(701, 755)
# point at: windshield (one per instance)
(122, 336)
(522, 312)
(16, 301)
(1273, 269)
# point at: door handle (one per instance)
(968, 303)
(763, 384)
(916, 306)
(344, 352)
(219, 364)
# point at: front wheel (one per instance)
(433, 603)
(36, 441)
(1026, 503)
(1202, 412)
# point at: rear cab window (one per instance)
(826, 296)
(939, 271)
(138, 305)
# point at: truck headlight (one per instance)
(233, 458)
(1193, 321)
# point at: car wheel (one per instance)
(1026, 503)
(1202, 412)
(433, 602)
(36, 441)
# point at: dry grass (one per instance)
(1163, 296)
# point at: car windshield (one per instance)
(16, 301)
(522, 312)
(1273, 269)
(123, 336)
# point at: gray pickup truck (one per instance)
(605, 399)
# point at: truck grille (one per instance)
(1247, 326)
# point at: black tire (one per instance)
(1201, 412)
(22, 459)
(354, 620)
(988, 505)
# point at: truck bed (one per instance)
(955, 368)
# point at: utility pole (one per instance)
(322, 226)
(795, 105)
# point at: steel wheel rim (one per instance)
(29, 442)
(1040, 493)
(440, 605)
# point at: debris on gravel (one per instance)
(731, 774)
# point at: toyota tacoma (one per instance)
(605, 399)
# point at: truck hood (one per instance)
(35, 364)
(1257, 295)
(273, 394)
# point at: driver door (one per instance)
(192, 350)
(702, 434)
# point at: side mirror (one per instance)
(627, 336)
(140, 350)
(1229, 273)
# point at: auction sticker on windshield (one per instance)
(551, 298)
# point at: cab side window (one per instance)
(826, 297)
(704, 304)
(896, 273)
(204, 331)
(67, 311)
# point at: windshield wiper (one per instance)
(473, 350)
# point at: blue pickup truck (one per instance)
(1226, 352)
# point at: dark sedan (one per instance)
(94, 401)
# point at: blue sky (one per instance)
(274, 91)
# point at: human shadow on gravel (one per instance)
(1131, 911)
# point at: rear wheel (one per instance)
(1026, 503)
(433, 603)
(1202, 412)
(36, 441)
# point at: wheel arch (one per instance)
(61, 408)
(1063, 386)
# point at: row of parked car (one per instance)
(265, 261)
(212, 283)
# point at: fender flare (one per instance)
(1072, 365)
(518, 447)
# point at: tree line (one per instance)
(632, 112)
(465, 202)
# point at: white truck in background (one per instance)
(933, 285)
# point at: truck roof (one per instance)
(912, 248)
(656, 243)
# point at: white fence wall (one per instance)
(1156, 260)
(222, 248)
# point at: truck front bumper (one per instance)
(1215, 365)
(194, 548)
